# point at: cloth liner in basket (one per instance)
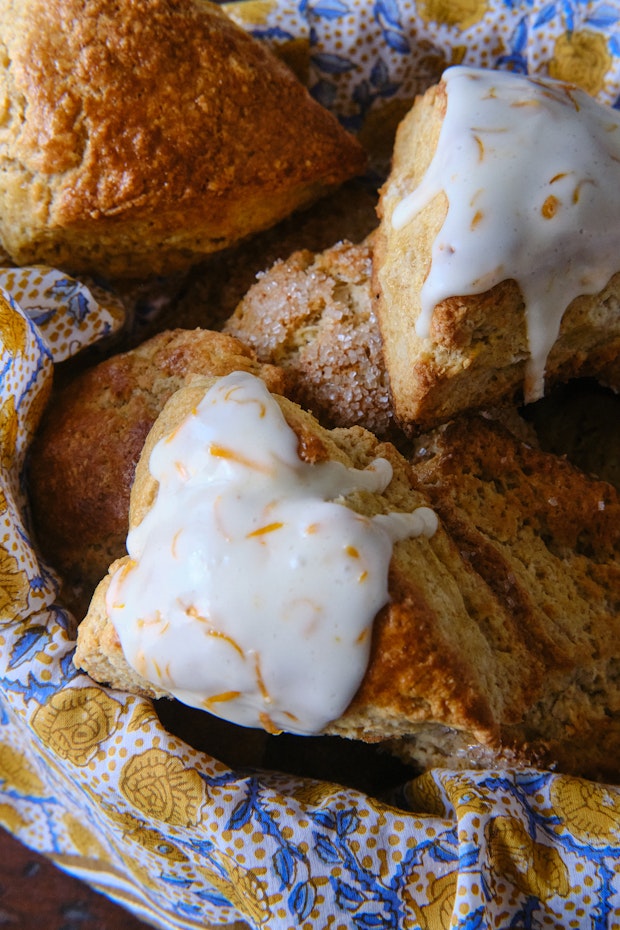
(90, 777)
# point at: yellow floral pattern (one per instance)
(437, 912)
(581, 58)
(11, 819)
(8, 431)
(536, 869)
(84, 839)
(590, 812)
(242, 888)
(459, 13)
(75, 721)
(14, 587)
(137, 830)
(16, 773)
(13, 328)
(161, 787)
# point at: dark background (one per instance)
(35, 895)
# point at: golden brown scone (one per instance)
(545, 539)
(476, 354)
(313, 315)
(84, 455)
(497, 646)
(139, 136)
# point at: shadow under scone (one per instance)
(353, 764)
(581, 421)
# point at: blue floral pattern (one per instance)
(365, 55)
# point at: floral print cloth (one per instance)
(367, 59)
(90, 777)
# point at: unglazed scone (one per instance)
(496, 643)
(545, 538)
(313, 314)
(84, 455)
(139, 136)
(496, 268)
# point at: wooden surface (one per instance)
(35, 895)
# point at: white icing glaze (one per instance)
(531, 171)
(251, 588)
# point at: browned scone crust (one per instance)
(138, 136)
(545, 539)
(83, 458)
(475, 355)
(313, 315)
(497, 646)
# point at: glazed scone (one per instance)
(496, 645)
(84, 455)
(313, 315)
(496, 267)
(139, 136)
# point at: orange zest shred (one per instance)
(550, 207)
(228, 639)
(211, 630)
(228, 396)
(268, 724)
(221, 452)
(171, 436)
(260, 680)
(182, 470)
(269, 528)
(220, 698)
(141, 663)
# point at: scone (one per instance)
(84, 455)
(495, 645)
(545, 538)
(313, 315)
(496, 268)
(139, 136)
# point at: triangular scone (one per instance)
(138, 136)
(488, 243)
(497, 644)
